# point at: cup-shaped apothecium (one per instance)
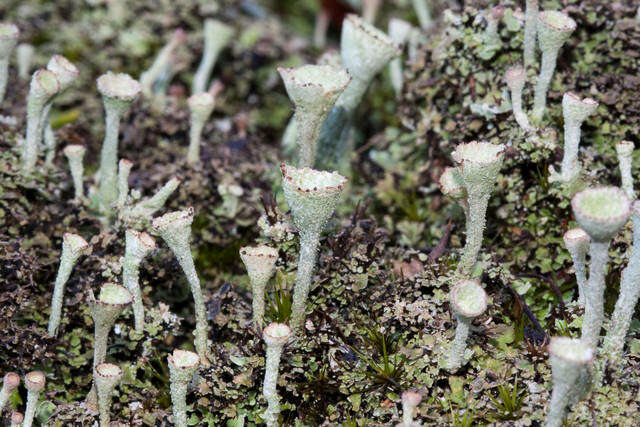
(44, 85)
(624, 149)
(313, 89)
(312, 196)
(10, 382)
(515, 78)
(34, 382)
(554, 28)
(73, 246)
(575, 112)
(577, 242)
(569, 357)
(106, 376)
(112, 300)
(468, 300)
(478, 164)
(260, 262)
(275, 336)
(137, 246)
(600, 212)
(182, 367)
(201, 106)
(118, 92)
(8, 39)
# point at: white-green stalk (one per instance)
(323, 19)
(628, 297)
(162, 64)
(478, 164)
(554, 29)
(44, 85)
(66, 73)
(16, 419)
(8, 39)
(75, 155)
(24, 57)
(73, 246)
(34, 381)
(468, 301)
(370, 10)
(575, 112)
(182, 367)
(410, 401)
(314, 90)
(530, 23)
(625, 158)
(260, 262)
(569, 358)
(137, 246)
(577, 242)
(365, 51)
(201, 106)
(147, 207)
(423, 13)
(398, 32)
(452, 185)
(106, 376)
(217, 36)
(275, 336)
(493, 20)
(515, 78)
(124, 170)
(312, 196)
(118, 92)
(10, 382)
(175, 230)
(600, 212)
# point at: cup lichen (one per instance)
(106, 376)
(260, 262)
(8, 39)
(575, 112)
(577, 242)
(34, 381)
(10, 382)
(201, 106)
(217, 36)
(275, 336)
(182, 367)
(137, 246)
(75, 156)
(624, 149)
(515, 78)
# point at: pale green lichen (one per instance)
(577, 242)
(106, 377)
(24, 57)
(217, 36)
(34, 382)
(399, 31)
(75, 155)
(137, 246)
(182, 367)
(201, 106)
(260, 262)
(530, 18)
(161, 66)
(8, 39)
(624, 150)
(10, 382)
(515, 78)
(575, 111)
(275, 336)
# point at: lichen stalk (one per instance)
(24, 57)
(106, 377)
(182, 367)
(594, 293)
(260, 262)
(124, 169)
(75, 156)
(459, 344)
(161, 64)
(276, 336)
(34, 382)
(137, 246)
(531, 14)
(577, 242)
(175, 230)
(8, 39)
(575, 111)
(410, 401)
(10, 382)
(217, 36)
(73, 246)
(423, 13)
(624, 150)
(148, 207)
(515, 78)
(201, 106)
(309, 243)
(399, 31)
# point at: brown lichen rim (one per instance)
(37, 383)
(39, 74)
(11, 380)
(569, 239)
(288, 72)
(316, 190)
(551, 352)
(157, 224)
(170, 359)
(14, 28)
(586, 102)
(92, 298)
(372, 32)
(64, 63)
(144, 238)
(499, 153)
(283, 339)
(245, 249)
(455, 300)
(570, 28)
(100, 374)
(67, 236)
(613, 219)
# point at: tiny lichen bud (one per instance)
(313, 89)
(515, 78)
(399, 31)
(73, 246)
(410, 401)
(10, 382)
(625, 157)
(478, 164)
(182, 367)
(106, 376)
(147, 207)
(137, 246)
(575, 111)
(44, 85)
(530, 18)
(312, 196)
(24, 55)
(468, 301)
(118, 92)
(260, 262)
(175, 230)
(569, 357)
(577, 242)
(8, 39)
(554, 29)
(124, 170)
(201, 106)
(600, 212)
(16, 419)
(217, 36)
(75, 155)
(275, 336)
(34, 382)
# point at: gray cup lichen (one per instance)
(600, 212)
(275, 336)
(575, 112)
(515, 78)
(137, 246)
(106, 377)
(217, 36)
(260, 262)
(75, 156)
(16, 419)
(577, 242)
(8, 39)
(182, 367)
(10, 382)
(624, 149)
(34, 381)
(399, 31)
(24, 57)
(201, 106)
